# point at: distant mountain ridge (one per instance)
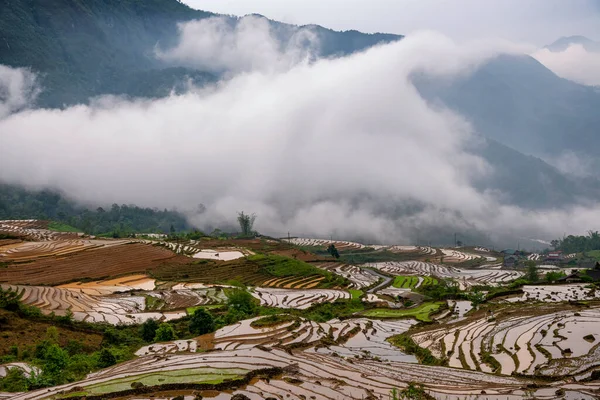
(564, 42)
(86, 48)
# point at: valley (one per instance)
(285, 328)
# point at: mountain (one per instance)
(564, 42)
(528, 116)
(518, 102)
(85, 48)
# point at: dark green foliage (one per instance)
(201, 322)
(532, 272)
(18, 203)
(164, 333)
(445, 289)
(9, 300)
(577, 244)
(241, 301)
(246, 222)
(106, 358)
(148, 330)
(333, 251)
(14, 381)
(85, 48)
(554, 276)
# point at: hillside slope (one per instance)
(85, 48)
(518, 102)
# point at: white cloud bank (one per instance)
(17, 89)
(219, 45)
(574, 63)
(336, 146)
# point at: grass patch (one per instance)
(356, 294)
(192, 310)
(198, 375)
(60, 227)
(410, 282)
(421, 313)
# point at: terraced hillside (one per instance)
(32, 229)
(258, 270)
(299, 375)
(358, 277)
(95, 263)
(465, 277)
(535, 340)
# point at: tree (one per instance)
(201, 322)
(554, 276)
(106, 358)
(532, 272)
(148, 330)
(241, 301)
(164, 333)
(246, 222)
(55, 360)
(333, 251)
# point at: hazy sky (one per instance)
(538, 22)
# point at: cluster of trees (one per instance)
(118, 220)
(578, 244)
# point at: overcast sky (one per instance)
(539, 22)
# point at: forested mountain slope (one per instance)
(85, 48)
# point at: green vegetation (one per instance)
(201, 322)
(333, 251)
(410, 282)
(579, 244)
(356, 294)
(532, 272)
(192, 310)
(421, 312)
(197, 375)
(280, 266)
(60, 227)
(118, 221)
(246, 222)
(414, 391)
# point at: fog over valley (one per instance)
(370, 145)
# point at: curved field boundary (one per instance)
(465, 278)
(359, 279)
(531, 343)
(300, 299)
(322, 376)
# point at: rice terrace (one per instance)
(288, 319)
(199, 201)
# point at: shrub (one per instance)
(164, 333)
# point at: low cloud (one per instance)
(18, 89)
(228, 45)
(345, 147)
(574, 63)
